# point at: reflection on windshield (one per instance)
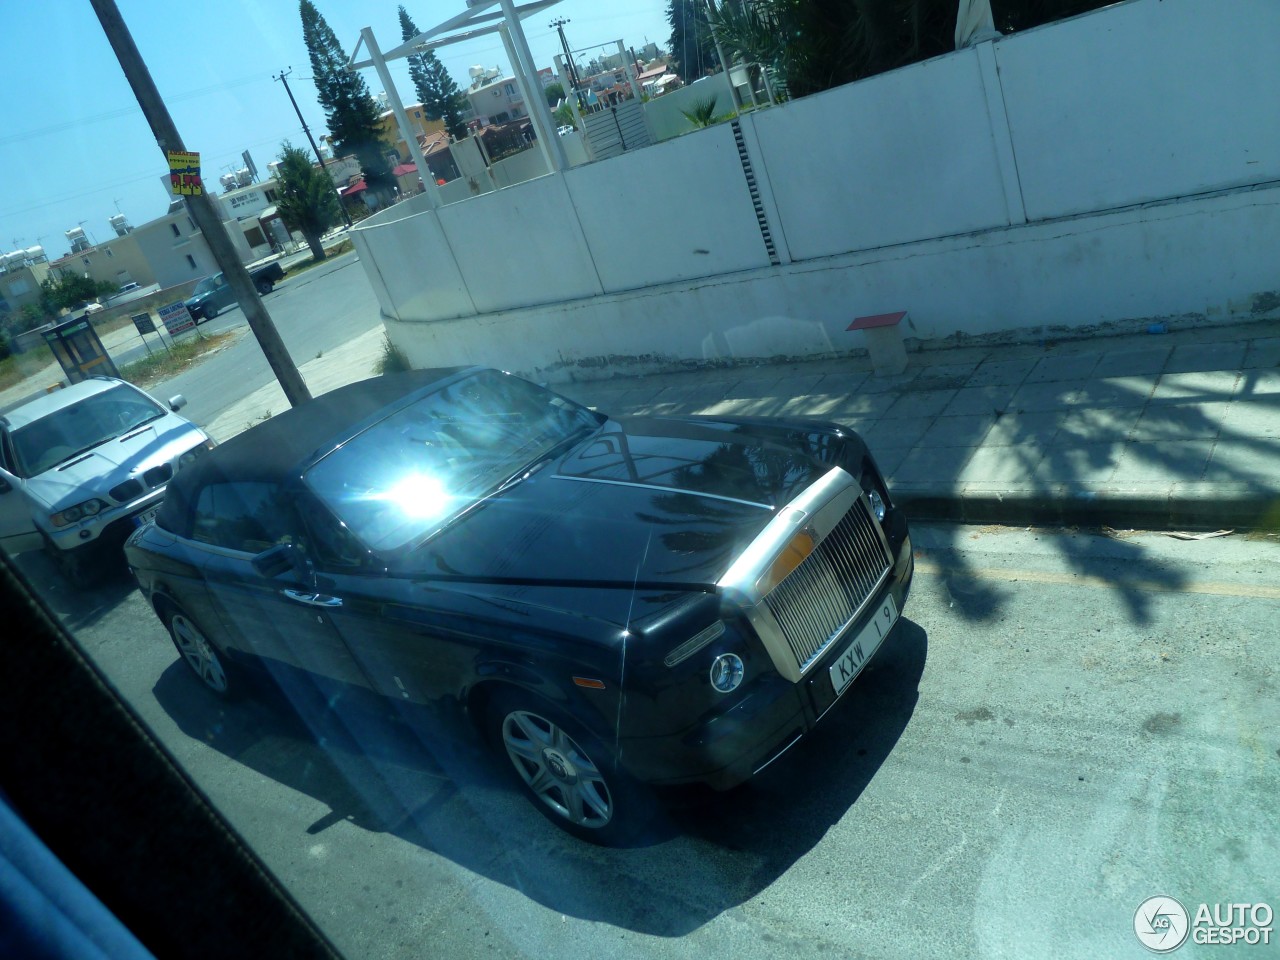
(401, 479)
(63, 434)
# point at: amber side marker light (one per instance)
(589, 683)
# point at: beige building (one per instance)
(21, 274)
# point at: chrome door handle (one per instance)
(312, 599)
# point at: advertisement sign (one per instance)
(144, 323)
(184, 173)
(176, 318)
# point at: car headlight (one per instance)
(726, 672)
(194, 453)
(89, 508)
(877, 504)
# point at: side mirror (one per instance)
(282, 558)
(177, 402)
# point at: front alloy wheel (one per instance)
(558, 771)
(198, 653)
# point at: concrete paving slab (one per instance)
(1200, 385)
(1003, 466)
(896, 432)
(1255, 462)
(1069, 368)
(1086, 424)
(919, 405)
(1180, 421)
(1132, 363)
(947, 431)
(1172, 460)
(971, 401)
(1088, 462)
(1018, 428)
(1258, 383)
(1115, 392)
(992, 373)
(1264, 352)
(937, 464)
(1194, 357)
(1034, 397)
(1254, 418)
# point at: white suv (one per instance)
(82, 467)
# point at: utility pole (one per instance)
(201, 206)
(574, 80)
(283, 77)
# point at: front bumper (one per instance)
(731, 747)
(112, 525)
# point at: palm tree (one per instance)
(703, 112)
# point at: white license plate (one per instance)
(145, 517)
(855, 656)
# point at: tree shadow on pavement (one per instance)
(428, 780)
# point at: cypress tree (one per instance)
(440, 96)
(351, 112)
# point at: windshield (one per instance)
(43, 444)
(207, 285)
(407, 475)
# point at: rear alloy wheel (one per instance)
(569, 774)
(198, 653)
(264, 287)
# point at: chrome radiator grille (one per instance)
(824, 593)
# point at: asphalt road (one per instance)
(315, 312)
(1063, 726)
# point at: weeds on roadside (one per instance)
(177, 358)
(393, 359)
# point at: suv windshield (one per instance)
(47, 442)
(207, 285)
(407, 475)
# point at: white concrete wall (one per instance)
(696, 224)
(916, 159)
(989, 190)
(519, 246)
(1143, 101)
(520, 167)
(1120, 271)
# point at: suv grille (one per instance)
(158, 475)
(126, 491)
(824, 593)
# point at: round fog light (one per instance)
(726, 672)
(877, 503)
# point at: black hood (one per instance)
(650, 501)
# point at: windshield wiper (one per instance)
(132, 431)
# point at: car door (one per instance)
(386, 622)
(17, 527)
(281, 621)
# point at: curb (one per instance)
(1172, 508)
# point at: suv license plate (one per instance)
(145, 517)
(855, 656)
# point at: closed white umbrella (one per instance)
(974, 23)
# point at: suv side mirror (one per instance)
(177, 402)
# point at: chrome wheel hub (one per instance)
(557, 770)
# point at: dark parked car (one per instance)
(614, 602)
(213, 294)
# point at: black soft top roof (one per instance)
(275, 448)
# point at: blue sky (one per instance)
(74, 145)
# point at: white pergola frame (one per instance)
(475, 22)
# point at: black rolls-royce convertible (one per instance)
(616, 603)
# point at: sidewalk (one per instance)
(1143, 431)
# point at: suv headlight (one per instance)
(191, 455)
(90, 508)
